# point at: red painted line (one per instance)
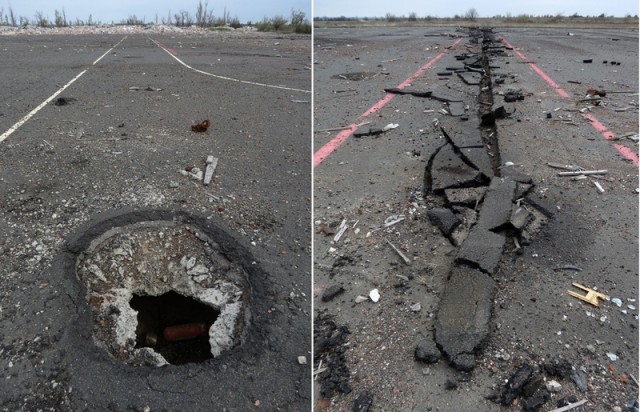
(607, 134)
(167, 49)
(338, 140)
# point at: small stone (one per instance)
(617, 301)
(416, 308)
(374, 295)
(360, 299)
(617, 409)
(553, 386)
(612, 356)
(302, 360)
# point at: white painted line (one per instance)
(225, 77)
(53, 96)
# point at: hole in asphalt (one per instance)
(175, 326)
(163, 292)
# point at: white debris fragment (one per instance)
(302, 360)
(617, 301)
(612, 356)
(374, 295)
(416, 307)
(360, 299)
(553, 386)
(390, 126)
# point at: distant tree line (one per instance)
(472, 15)
(203, 17)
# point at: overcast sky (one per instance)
(118, 10)
(485, 8)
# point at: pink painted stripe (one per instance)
(607, 134)
(537, 70)
(339, 139)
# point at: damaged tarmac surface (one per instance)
(120, 155)
(493, 236)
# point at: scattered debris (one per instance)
(404, 258)
(299, 101)
(326, 229)
(302, 360)
(146, 89)
(363, 402)
(553, 386)
(612, 356)
(212, 163)
(596, 92)
(331, 292)
(341, 230)
(568, 267)
(584, 173)
(193, 172)
(570, 406)
(390, 221)
(390, 126)
(372, 131)
(360, 299)
(617, 302)
(201, 127)
(599, 187)
(591, 296)
(427, 352)
(63, 101)
(513, 96)
(374, 295)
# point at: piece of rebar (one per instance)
(183, 332)
(570, 406)
(404, 258)
(584, 172)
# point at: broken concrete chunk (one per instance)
(496, 208)
(467, 196)
(462, 322)
(445, 219)
(482, 249)
(212, 163)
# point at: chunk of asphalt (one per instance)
(456, 108)
(515, 175)
(463, 139)
(363, 402)
(519, 217)
(482, 249)
(580, 379)
(479, 158)
(331, 292)
(448, 170)
(444, 219)
(367, 132)
(470, 78)
(496, 207)
(462, 322)
(541, 204)
(521, 190)
(427, 351)
(466, 196)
